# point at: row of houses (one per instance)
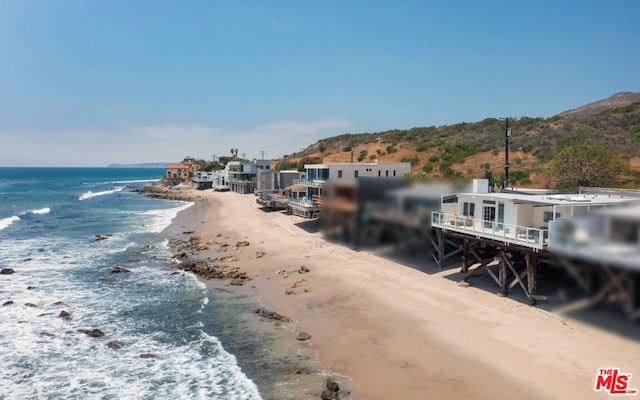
(513, 236)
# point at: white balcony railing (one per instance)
(521, 235)
(311, 182)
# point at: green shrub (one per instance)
(412, 160)
(434, 159)
(422, 147)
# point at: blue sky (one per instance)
(87, 83)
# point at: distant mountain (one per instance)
(618, 100)
(142, 165)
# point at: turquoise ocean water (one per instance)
(48, 218)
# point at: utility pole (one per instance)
(507, 133)
(262, 153)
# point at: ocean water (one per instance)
(48, 220)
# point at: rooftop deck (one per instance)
(534, 238)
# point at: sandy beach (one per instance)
(388, 330)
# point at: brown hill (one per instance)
(467, 149)
(618, 100)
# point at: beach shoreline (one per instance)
(386, 330)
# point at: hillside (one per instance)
(465, 149)
(618, 100)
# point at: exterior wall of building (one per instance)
(287, 178)
(242, 175)
(352, 171)
(181, 172)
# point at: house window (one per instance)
(355, 173)
(379, 173)
(339, 173)
(468, 209)
(548, 216)
(387, 173)
(394, 172)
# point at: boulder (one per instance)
(272, 315)
(30, 287)
(64, 314)
(92, 333)
(7, 303)
(147, 355)
(242, 243)
(30, 305)
(7, 271)
(303, 270)
(98, 238)
(329, 395)
(117, 270)
(333, 385)
(113, 345)
(303, 336)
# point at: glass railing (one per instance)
(521, 235)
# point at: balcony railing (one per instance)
(315, 201)
(311, 182)
(521, 235)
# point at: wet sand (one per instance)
(386, 330)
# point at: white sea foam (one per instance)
(42, 353)
(45, 210)
(161, 219)
(5, 222)
(90, 194)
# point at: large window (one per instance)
(468, 209)
(339, 173)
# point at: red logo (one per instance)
(613, 381)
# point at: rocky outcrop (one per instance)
(64, 314)
(303, 336)
(272, 315)
(147, 355)
(118, 270)
(95, 333)
(113, 345)
(332, 391)
(7, 271)
(212, 271)
(98, 238)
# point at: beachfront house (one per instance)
(601, 251)
(242, 175)
(609, 235)
(511, 227)
(342, 176)
(204, 179)
(183, 172)
(516, 216)
(221, 180)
